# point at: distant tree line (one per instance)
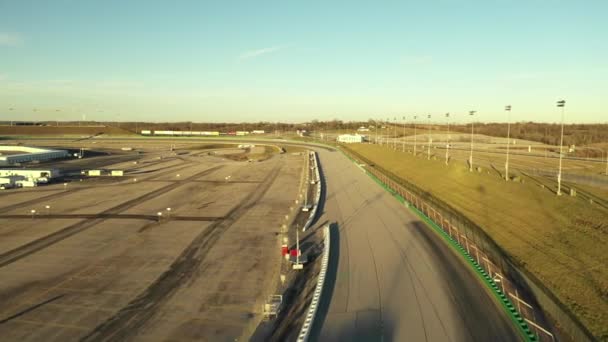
(574, 134)
(314, 125)
(580, 135)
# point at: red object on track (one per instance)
(284, 250)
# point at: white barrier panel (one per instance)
(314, 304)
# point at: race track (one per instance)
(392, 278)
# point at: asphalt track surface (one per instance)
(390, 277)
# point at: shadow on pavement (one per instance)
(330, 281)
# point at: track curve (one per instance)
(395, 279)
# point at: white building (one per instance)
(30, 154)
(30, 173)
(94, 173)
(10, 178)
(350, 138)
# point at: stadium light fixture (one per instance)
(508, 110)
(447, 140)
(471, 113)
(415, 139)
(403, 141)
(560, 104)
(430, 139)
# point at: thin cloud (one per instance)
(259, 52)
(10, 39)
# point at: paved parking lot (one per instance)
(99, 265)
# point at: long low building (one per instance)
(15, 178)
(30, 173)
(350, 139)
(30, 154)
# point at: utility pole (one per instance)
(430, 139)
(560, 104)
(471, 113)
(403, 141)
(415, 139)
(447, 142)
(508, 110)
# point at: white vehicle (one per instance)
(5, 186)
(26, 183)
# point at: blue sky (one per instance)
(302, 60)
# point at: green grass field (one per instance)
(562, 240)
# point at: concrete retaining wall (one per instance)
(317, 178)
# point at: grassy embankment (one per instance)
(562, 240)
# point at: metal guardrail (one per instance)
(317, 177)
(314, 304)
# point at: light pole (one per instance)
(606, 162)
(447, 142)
(380, 136)
(471, 113)
(388, 132)
(508, 110)
(48, 209)
(560, 104)
(168, 212)
(430, 139)
(395, 138)
(159, 215)
(403, 141)
(376, 123)
(415, 139)
(33, 211)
